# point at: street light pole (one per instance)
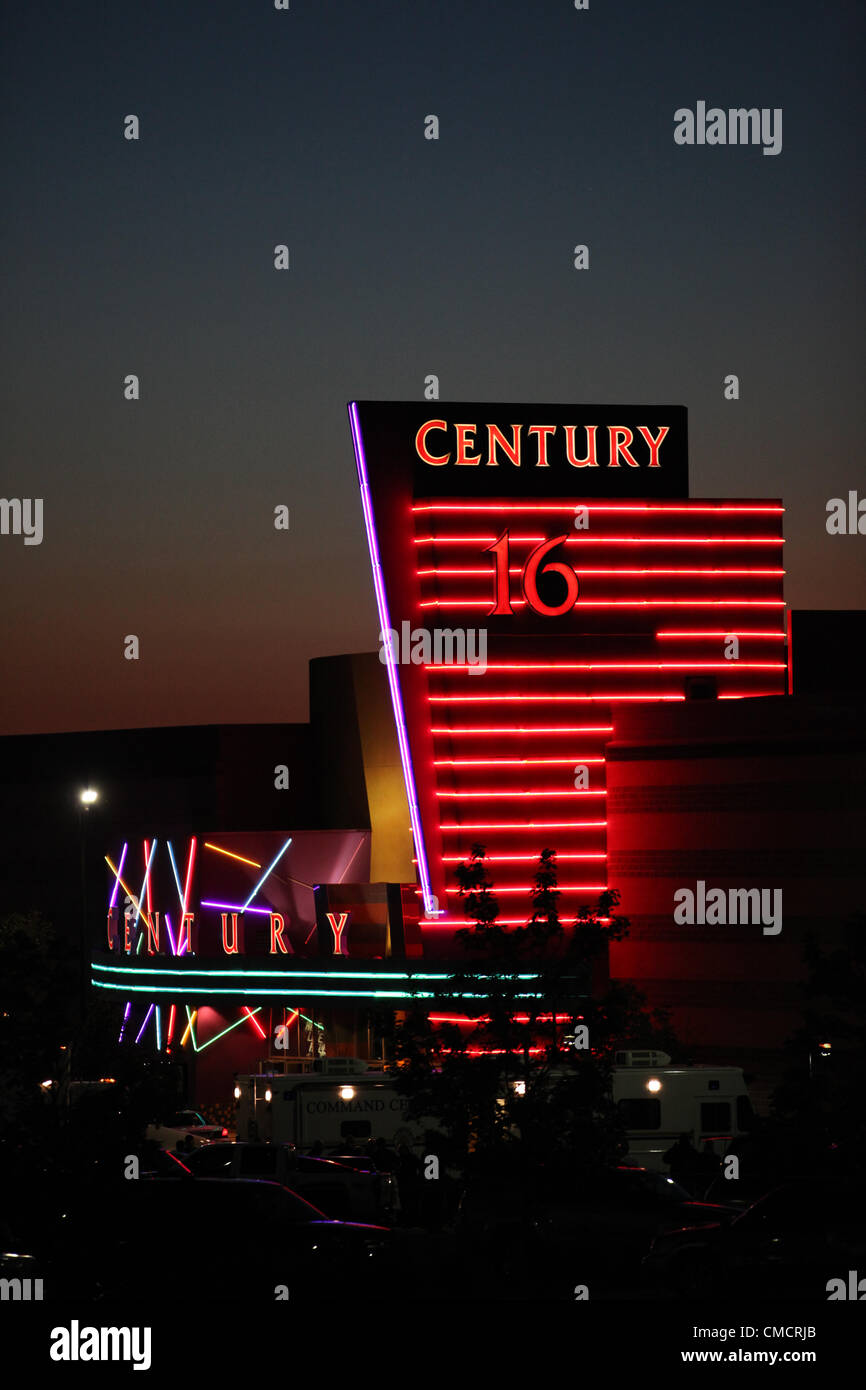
(86, 798)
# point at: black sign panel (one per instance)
(472, 449)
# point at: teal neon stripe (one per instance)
(290, 975)
(309, 993)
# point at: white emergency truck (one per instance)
(344, 1101)
(659, 1102)
(341, 1102)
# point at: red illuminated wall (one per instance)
(661, 585)
(662, 580)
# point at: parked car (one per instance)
(207, 1240)
(343, 1193)
(184, 1127)
(788, 1244)
(560, 1228)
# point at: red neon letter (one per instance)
(512, 450)
(465, 440)
(153, 934)
(232, 947)
(653, 443)
(502, 602)
(187, 924)
(421, 443)
(590, 461)
(112, 929)
(277, 925)
(620, 446)
(542, 431)
(338, 928)
(530, 580)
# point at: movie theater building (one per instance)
(570, 646)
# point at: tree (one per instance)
(516, 1088)
(820, 1095)
(46, 1047)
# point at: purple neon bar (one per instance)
(430, 904)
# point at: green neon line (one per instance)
(317, 993)
(217, 1036)
(295, 975)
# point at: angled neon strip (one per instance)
(147, 879)
(230, 855)
(176, 874)
(188, 1028)
(117, 878)
(268, 871)
(430, 905)
(170, 935)
(139, 909)
(236, 907)
(126, 890)
(185, 903)
(217, 1036)
(253, 1020)
(146, 1020)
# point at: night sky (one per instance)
(408, 257)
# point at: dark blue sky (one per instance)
(409, 257)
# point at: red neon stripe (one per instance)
(455, 924)
(515, 729)
(551, 699)
(510, 795)
(518, 858)
(445, 670)
(514, 762)
(169, 1034)
(485, 1018)
(569, 507)
(723, 632)
(495, 1051)
(545, 699)
(255, 1022)
(563, 888)
(147, 875)
(528, 825)
(610, 570)
(607, 540)
(620, 603)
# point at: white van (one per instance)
(659, 1102)
(339, 1104)
(345, 1102)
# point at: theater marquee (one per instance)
(566, 534)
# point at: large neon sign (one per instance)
(568, 534)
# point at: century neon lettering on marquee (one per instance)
(533, 449)
(231, 914)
